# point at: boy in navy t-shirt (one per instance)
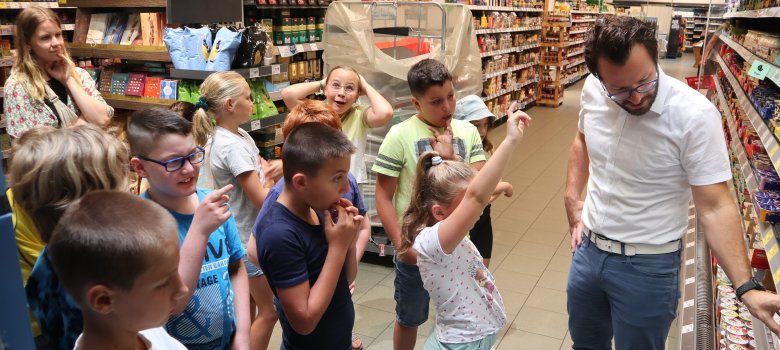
(215, 312)
(306, 257)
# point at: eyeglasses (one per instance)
(348, 89)
(177, 163)
(625, 94)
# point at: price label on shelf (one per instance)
(254, 72)
(690, 244)
(313, 47)
(256, 124)
(284, 50)
(3, 5)
(690, 262)
(686, 329)
(276, 69)
(689, 303)
(767, 237)
(759, 69)
(690, 280)
(776, 275)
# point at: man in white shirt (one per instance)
(647, 144)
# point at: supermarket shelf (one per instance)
(265, 122)
(584, 20)
(579, 32)
(104, 3)
(68, 26)
(290, 50)
(726, 111)
(575, 63)
(24, 5)
(504, 8)
(7, 61)
(520, 105)
(571, 43)
(576, 12)
(256, 72)
(507, 71)
(506, 30)
(126, 52)
(557, 24)
(774, 71)
(8, 29)
(134, 103)
(510, 90)
(772, 12)
(510, 50)
(575, 53)
(767, 139)
(574, 79)
(689, 281)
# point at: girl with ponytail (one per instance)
(233, 158)
(447, 200)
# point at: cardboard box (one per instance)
(169, 89)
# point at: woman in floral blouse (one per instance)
(43, 75)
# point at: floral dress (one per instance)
(23, 113)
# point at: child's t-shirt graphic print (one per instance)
(468, 304)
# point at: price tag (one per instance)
(256, 125)
(313, 47)
(758, 69)
(689, 303)
(770, 254)
(689, 262)
(381, 249)
(14, 5)
(284, 50)
(776, 275)
(768, 236)
(3, 5)
(254, 72)
(690, 244)
(773, 151)
(690, 280)
(686, 329)
(690, 230)
(276, 69)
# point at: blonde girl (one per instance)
(233, 158)
(45, 88)
(447, 199)
(342, 87)
(50, 169)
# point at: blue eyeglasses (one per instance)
(177, 163)
(625, 94)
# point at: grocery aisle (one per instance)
(531, 252)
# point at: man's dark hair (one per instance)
(310, 146)
(613, 37)
(100, 240)
(146, 126)
(425, 74)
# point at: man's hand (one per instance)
(343, 233)
(213, 211)
(574, 215)
(442, 143)
(764, 306)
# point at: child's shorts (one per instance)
(483, 344)
(411, 298)
(252, 270)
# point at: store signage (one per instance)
(204, 11)
(759, 69)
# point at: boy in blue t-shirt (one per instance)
(215, 313)
(306, 257)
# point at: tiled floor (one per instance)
(531, 252)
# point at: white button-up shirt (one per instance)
(642, 167)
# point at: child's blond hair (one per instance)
(214, 91)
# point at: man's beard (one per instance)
(649, 98)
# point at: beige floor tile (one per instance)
(522, 340)
(513, 302)
(374, 268)
(276, 337)
(543, 236)
(524, 264)
(542, 322)
(379, 297)
(567, 342)
(385, 341)
(500, 251)
(389, 281)
(553, 280)
(558, 226)
(560, 263)
(367, 279)
(517, 282)
(534, 250)
(565, 247)
(547, 299)
(507, 235)
(371, 322)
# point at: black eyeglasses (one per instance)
(177, 163)
(625, 94)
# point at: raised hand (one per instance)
(516, 123)
(213, 211)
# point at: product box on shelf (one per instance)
(767, 206)
(152, 87)
(168, 89)
(119, 83)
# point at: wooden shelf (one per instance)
(126, 52)
(135, 103)
(771, 12)
(265, 122)
(290, 50)
(504, 8)
(109, 3)
(250, 73)
(24, 5)
(506, 30)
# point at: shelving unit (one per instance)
(749, 57)
(509, 71)
(125, 52)
(771, 12)
(553, 61)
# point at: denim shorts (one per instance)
(411, 298)
(485, 343)
(252, 270)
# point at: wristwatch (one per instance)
(748, 286)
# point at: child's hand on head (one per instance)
(213, 211)
(516, 123)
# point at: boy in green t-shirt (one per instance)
(433, 128)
